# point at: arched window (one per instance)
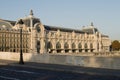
(49, 45)
(27, 46)
(38, 46)
(58, 45)
(23, 45)
(85, 46)
(91, 46)
(79, 46)
(14, 46)
(66, 46)
(98, 46)
(38, 42)
(73, 45)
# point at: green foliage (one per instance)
(115, 45)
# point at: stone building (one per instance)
(39, 38)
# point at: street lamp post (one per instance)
(20, 22)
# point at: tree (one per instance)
(115, 45)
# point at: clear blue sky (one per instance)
(105, 14)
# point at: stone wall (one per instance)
(111, 62)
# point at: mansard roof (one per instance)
(6, 24)
(54, 28)
(91, 30)
(104, 35)
(9, 21)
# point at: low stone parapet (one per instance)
(98, 61)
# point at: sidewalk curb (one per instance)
(65, 70)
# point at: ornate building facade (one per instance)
(39, 38)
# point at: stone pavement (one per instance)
(67, 68)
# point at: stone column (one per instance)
(62, 46)
(89, 46)
(76, 47)
(54, 45)
(34, 41)
(83, 49)
(42, 46)
(70, 46)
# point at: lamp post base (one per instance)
(21, 62)
(21, 57)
